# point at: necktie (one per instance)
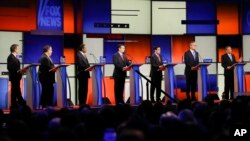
(230, 56)
(158, 57)
(122, 57)
(85, 57)
(193, 54)
(50, 60)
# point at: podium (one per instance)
(97, 77)
(239, 83)
(61, 84)
(202, 80)
(32, 95)
(134, 84)
(169, 77)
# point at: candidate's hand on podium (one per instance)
(127, 68)
(240, 59)
(230, 67)
(53, 69)
(21, 71)
(124, 68)
(195, 67)
(161, 67)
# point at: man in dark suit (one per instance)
(121, 65)
(227, 60)
(46, 77)
(15, 75)
(191, 58)
(82, 75)
(156, 74)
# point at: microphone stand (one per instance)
(95, 59)
(105, 100)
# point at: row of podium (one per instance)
(239, 83)
(33, 91)
(33, 94)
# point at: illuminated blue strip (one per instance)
(240, 75)
(204, 80)
(98, 73)
(171, 79)
(35, 94)
(64, 85)
(24, 86)
(4, 93)
(55, 94)
(38, 91)
(136, 84)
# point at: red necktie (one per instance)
(122, 57)
(158, 57)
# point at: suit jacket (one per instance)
(190, 61)
(82, 64)
(13, 65)
(226, 61)
(45, 65)
(119, 64)
(155, 63)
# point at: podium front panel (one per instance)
(134, 85)
(202, 81)
(239, 83)
(61, 86)
(32, 95)
(169, 79)
(4, 98)
(97, 78)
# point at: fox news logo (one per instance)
(50, 14)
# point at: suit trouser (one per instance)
(47, 94)
(16, 95)
(191, 84)
(83, 90)
(119, 88)
(156, 84)
(229, 85)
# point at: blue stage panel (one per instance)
(205, 12)
(165, 43)
(4, 93)
(246, 17)
(109, 49)
(96, 13)
(33, 47)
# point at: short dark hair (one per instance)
(191, 42)
(227, 46)
(119, 46)
(46, 48)
(156, 47)
(13, 47)
(82, 46)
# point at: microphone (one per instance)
(165, 60)
(200, 58)
(95, 59)
(131, 58)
